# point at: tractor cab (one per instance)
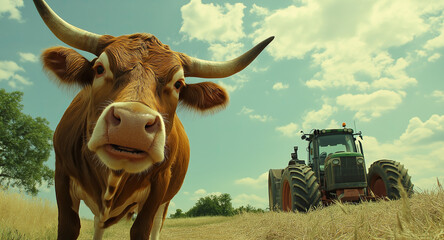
(336, 160)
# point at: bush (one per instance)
(248, 209)
(212, 206)
(178, 214)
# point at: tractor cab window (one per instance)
(330, 144)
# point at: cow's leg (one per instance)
(68, 208)
(141, 228)
(98, 229)
(158, 221)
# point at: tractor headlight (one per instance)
(335, 161)
(360, 161)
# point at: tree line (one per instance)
(214, 205)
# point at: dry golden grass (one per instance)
(23, 217)
(418, 217)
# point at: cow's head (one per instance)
(133, 88)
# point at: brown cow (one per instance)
(120, 147)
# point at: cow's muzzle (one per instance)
(129, 136)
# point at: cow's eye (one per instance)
(178, 84)
(100, 70)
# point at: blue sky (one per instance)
(376, 65)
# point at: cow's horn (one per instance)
(69, 34)
(211, 69)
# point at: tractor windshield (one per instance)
(330, 144)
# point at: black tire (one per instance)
(274, 195)
(299, 189)
(383, 176)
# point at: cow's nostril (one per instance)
(113, 117)
(151, 123)
(117, 118)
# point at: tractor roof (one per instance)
(320, 132)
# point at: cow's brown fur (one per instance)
(142, 66)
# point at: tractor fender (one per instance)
(274, 186)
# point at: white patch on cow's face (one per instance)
(133, 148)
(100, 78)
(178, 77)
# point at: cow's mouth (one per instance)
(125, 152)
(126, 149)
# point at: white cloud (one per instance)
(434, 57)
(9, 72)
(226, 51)
(12, 84)
(358, 47)
(8, 69)
(11, 7)
(333, 124)
(245, 110)
(257, 69)
(439, 95)
(437, 42)
(22, 80)
(200, 193)
(368, 106)
(249, 112)
(280, 86)
(395, 76)
(262, 118)
(234, 82)
(419, 148)
(28, 57)
(229, 87)
(421, 53)
(260, 182)
(249, 199)
(314, 119)
(260, 11)
(212, 22)
(289, 130)
(419, 132)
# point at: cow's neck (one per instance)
(112, 185)
(114, 178)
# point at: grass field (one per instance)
(418, 217)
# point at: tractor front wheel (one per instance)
(299, 188)
(383, 177)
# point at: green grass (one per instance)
(418, 217)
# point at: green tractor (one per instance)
(335, 170)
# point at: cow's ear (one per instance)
(68, 66)
(204, 96)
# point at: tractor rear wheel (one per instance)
(383, 176)
(299, 188)
(274, 195)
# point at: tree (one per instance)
(178, 214)
(25, 145)
(212, 206)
